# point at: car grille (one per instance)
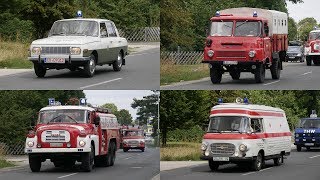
(55, 50)
(55, 136)
(230, 54)
(133, 143)
(292, 54)
(222, 148)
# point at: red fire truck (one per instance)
(70, 133)
(313, 48)
(246, 40)
(133, 138)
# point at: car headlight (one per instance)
(252, 54)
(75, 50)
(82, 143)
(204, 146)
(141, 141)
(298, 54)
(297, 135)
(36, 51)
(210, 53)
(30, 143)
(242, 147)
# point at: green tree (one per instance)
(111, 106)
(124, 117)
(292, 29)
(305, 26)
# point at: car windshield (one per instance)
(74, 28)
(314, 35)
(229, 124)
(308, 123)
(294, 48)
(221, 28)
(247, 28)
(133, 133)
(62, 116)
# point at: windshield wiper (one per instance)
(53, 118)
(242, 23)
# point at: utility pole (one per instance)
(158, 130)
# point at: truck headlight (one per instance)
(36, 51)
(297, 135)
(210, 53)
(242, 147)
(30, 143)
(204, 146)
(82, 143)
(252, 54)
(298, 54)
(75, 50)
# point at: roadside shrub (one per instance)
(194, 134)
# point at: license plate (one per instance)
(55, 60)
(309, 144)
(220, 158)
(291, 57)
(56, 144)
(133, 146)
(230, 62)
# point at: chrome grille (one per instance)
(230, 54)
(292, 54)
(55, 136)
(133, 143)
(55, 50)
(222, 148)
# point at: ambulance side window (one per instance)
(256, 125)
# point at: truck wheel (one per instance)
(259, 74)
(308, 148)
(298, 148)
(258, 162)
(215, 75)
(118, 63)
(213, 165)
(275, 70)
(90, 66)
(113, 153)
(39, 70)
(142, 149)
(308, 60)
(125, 149)
(235, 74)
(34, 163)
(87, 160)
(278, 161)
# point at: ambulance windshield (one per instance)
(221, 28)
(310, 123)
(229, 124)
(62, 116)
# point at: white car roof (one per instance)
(85, 19)
(247, 106)
(67, 107)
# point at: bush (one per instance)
(194, 134)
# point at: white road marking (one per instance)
(129, 157)
(314, 156)
(67, 175)
(248, 173)
(97, 84)
(266, 169)
(136, 167)
(271, 83)
(306, 73)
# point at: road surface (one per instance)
(300, 165)
(130, 165)
(295, 76)
(141, 72)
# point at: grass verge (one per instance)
(4, 163)
(171, 73)
(180, 151)
(14, 55)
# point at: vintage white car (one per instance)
(79, 42)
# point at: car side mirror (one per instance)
(96, 120)
(306, 38)
(266, 30)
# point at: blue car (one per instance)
(308, 133)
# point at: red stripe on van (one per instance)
(244, 136)
(248, 112)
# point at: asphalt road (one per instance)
(299, 165)
(132, 165)
(141, 72)
(295, 76)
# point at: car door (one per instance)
(113, 40)
(104, 48)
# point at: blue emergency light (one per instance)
(255, 14)
(220, 100)
(218, 14)
(79, 14)
(83, 101)
(246, 100)
(51, 101)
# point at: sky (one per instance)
(309, 8)
(121, 98)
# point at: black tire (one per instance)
(308, 148)
(125, 149)
(34, 163)
(214, 166)
(90, 66)
(113, 153)
(215, 75)
(308, 60)
(278, 161)
(260, 73)
(117, 64)
(57, 164)
(275, 70)
(298, 148)
(258, 163)
(142, 150)
(235, 74)
(39, 70)
(87, 160)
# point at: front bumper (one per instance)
(293, 58)
(56, 150)
(231, 159)
(69, 58)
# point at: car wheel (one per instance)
(259, 74)
(113, 152)
(87, 161)
(214, 166)
(90, 66)
(258, 162)
(118, 63)
(39, 70)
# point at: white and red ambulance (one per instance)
(246, 134)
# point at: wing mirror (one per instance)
(96, 120)
(266, 30)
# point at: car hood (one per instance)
(66, 40)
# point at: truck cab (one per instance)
(133, 138)
(313, 48)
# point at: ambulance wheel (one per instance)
(275, 70)
(118, 63)
(112, 153)
(57, 164)
(87, 160)
(39, 70)
(258, 162)
(308, 60)
(213, 165)
(308, 148)
(298, 148)
(278, 161)
(34, 163)
(125, 149)
(235, 74)
(215, 75)
(90, 66)
(259, 74)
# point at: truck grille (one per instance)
(55, 50)
(56, 136)
(222, 148)
(230, 54)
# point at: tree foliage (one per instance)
(123, 115)
(305, 26)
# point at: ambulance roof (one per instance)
(247, 107)
(317, 30)
(67, 107)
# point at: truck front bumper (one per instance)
(56, 150)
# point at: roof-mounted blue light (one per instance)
(255, 14)
(51, 102)
(218, 14)
(220, 101)
(246, 100)
(79, 14)
(83, 101)
(315, 28)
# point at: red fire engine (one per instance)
(246, 40)
(313, 48)
(133, 138)
(70, 133)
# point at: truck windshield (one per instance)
(247, 28)
(307, 123)
(74, 28)
(314, 35)
(133, 133)
(229, 124)
(221, 28)
(62, 116)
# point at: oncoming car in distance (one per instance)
(79, 42)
